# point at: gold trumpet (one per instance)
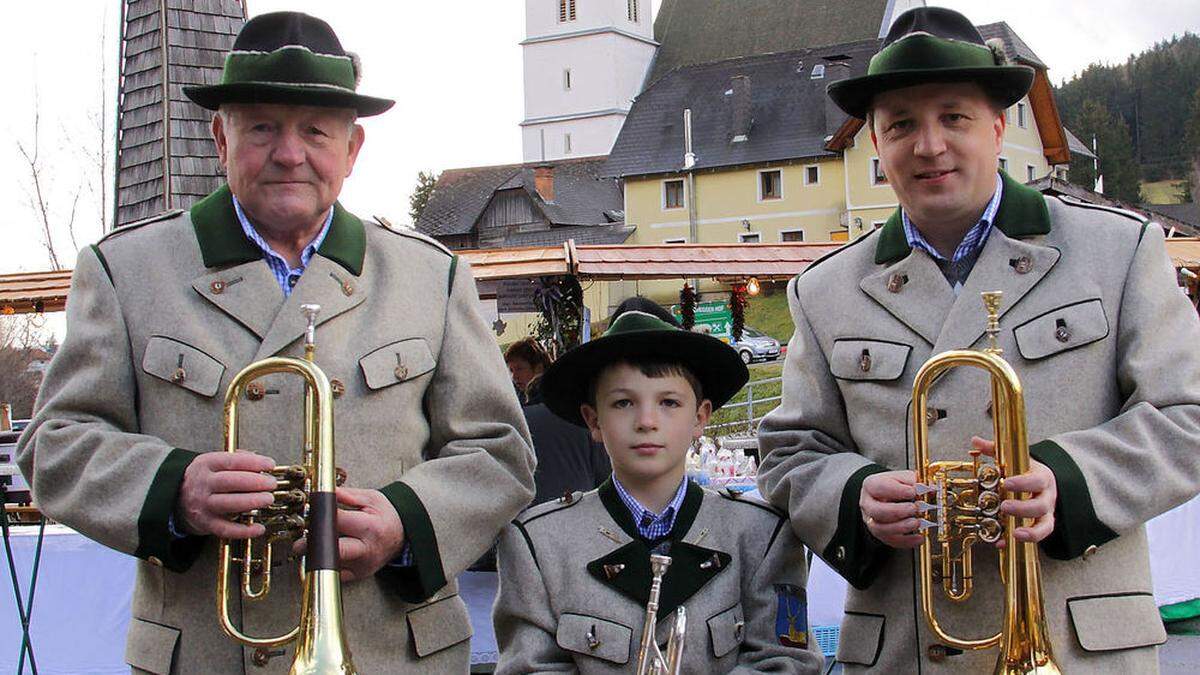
(651, 660)
(963, 498)
(304, 506)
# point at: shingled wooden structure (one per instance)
(165, 155)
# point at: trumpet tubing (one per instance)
(305, 505)
(964, 498)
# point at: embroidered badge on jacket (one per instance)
(791, 616)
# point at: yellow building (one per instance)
(775, 160)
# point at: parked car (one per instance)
(756, 345)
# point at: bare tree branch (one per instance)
(38, 198)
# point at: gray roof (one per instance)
(198, 34)
(1187, 213)
(581, 196)
(791, 115)
(1014, 46)
(1076, 146)
(615, 233)
(1159, 213)
(691, 32)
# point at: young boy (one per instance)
(575, 574)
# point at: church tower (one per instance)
(585, 61)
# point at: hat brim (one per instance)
(1007, 84)
(214, 96)
(715, 364)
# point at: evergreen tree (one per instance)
(1122, 175)
(1192, 148)
(419, 199)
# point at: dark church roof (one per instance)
(700, 31)
(790, 117)
(581, 196)
(165, 153)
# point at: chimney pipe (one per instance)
(741, 121)
(543, 182)
(834, 117)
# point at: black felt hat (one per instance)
(637, 335)
(933, 44)
(289, 58)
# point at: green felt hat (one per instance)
(640, 335)
(933, 44)
(289, 58)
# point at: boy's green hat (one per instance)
(932, 44)
(289, 58)
(638, 335)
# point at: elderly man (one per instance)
(164, 313)
(1091, 321)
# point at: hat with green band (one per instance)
(933, 44)
(636, 336)
(289, 58)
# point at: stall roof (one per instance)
(29, 292)
(490, 264)
(47, 291)
(719, 261)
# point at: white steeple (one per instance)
(585, 60)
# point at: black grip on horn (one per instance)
(322, 550)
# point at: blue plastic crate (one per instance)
(827, 638)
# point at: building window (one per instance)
(1004, 164)
(632, 11)
(1030, 173)
(818, 72)
(673, 194)
(567, 79)
(678, 240)
(841, 234)
(566, 10)
(791, 235)
(566, 144)
(877, 176)
(749, 237)
(812, 175)
(1021, 115)
(770, 185)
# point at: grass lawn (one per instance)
(1163, 192)
(769, 313)
(736, 410)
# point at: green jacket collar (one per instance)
(1022, 213)
(627, 569)
(683, 520)
(222, 242)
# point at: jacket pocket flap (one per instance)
(1062, 329)
(1108, 622)
(183, 365)
(861, 638)
(150, 646)
(596, 637)
(854, 359)
(438, 625)
(397, 362)
(727, 630)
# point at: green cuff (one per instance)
(1076, 526)
(155, 541)
(853, 552)
(424, 577)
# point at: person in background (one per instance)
(526, 360)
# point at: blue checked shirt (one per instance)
(284, 273)
(649, 524)
(958, 267)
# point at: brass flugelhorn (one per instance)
(963, 499)
(304, 505)
(651, 660)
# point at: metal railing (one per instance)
(746, 419)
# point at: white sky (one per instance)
(453, 67)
